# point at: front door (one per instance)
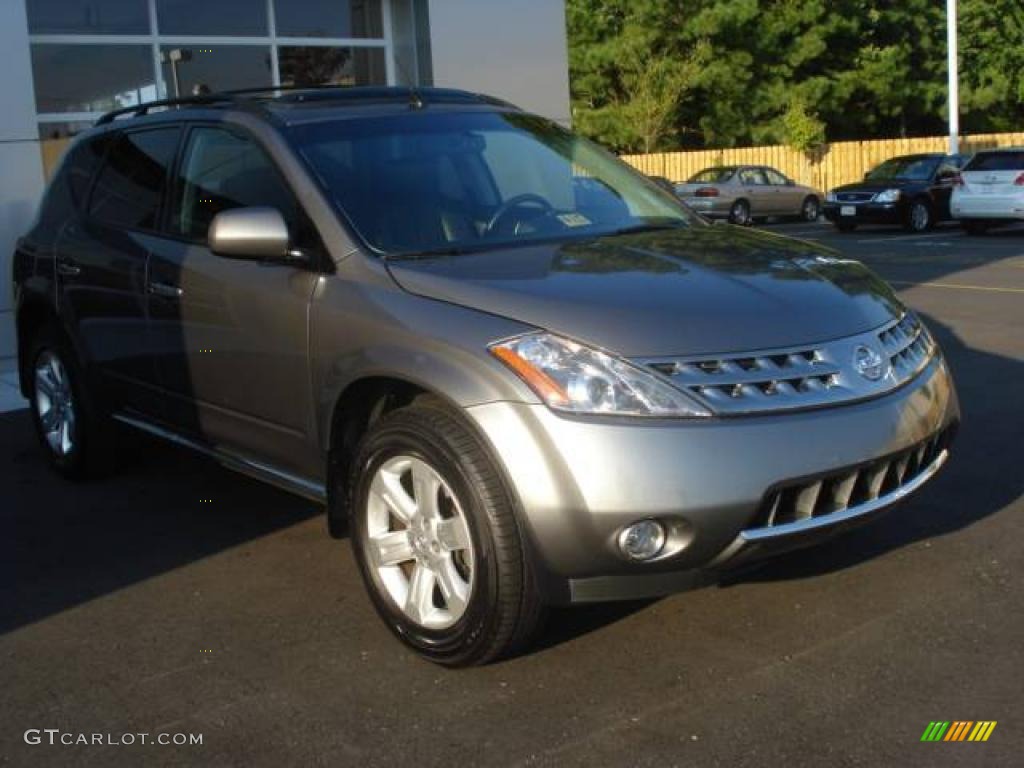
(788, 197)
(231, 335)
(757, 191)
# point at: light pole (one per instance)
(176, 56)
(954, 93)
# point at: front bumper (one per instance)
(579, 481)
(866, 213)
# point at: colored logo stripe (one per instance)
(958, 730)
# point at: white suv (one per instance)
(990, 190)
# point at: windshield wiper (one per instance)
(430, 253)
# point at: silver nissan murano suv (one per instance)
(516, 372)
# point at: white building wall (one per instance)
(21, 167)
(516, 51)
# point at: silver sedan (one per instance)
(742, 193)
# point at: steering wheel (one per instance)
(509, 206)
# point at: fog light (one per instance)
(643, 540)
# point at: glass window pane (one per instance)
(131, 183)
(221, 171)
(92, 17)
(217, 67)
(314, 65)
(212, 17)
(329, 18)
(91, 78)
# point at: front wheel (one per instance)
(919, 217)
(437, 540)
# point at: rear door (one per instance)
(231, 335)
(758, 192)
(102, 260)
(996, 178)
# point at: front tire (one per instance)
(920, 217)
(436, 538)
(72, 429)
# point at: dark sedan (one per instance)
(911, 191)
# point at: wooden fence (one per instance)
(832, 165)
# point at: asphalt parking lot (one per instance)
(178, 597)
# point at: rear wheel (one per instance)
(69, 423)
(810, 209)
(437, 540)
(739, 213)
(919, 217)
(975, 227)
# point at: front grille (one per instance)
(810, 376)
(855, 197)
(849, 488)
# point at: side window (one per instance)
(774, 177)
(753, 177)
(130, 186)
(81, 167)
(222, 170)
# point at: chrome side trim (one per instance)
(286, 481)
(824, 521)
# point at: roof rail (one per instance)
(413, 94)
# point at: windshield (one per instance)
(423, 182)
(712, 176)
(912, 168)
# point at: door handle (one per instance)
(68, 268)
(166, 290)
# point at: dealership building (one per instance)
(66, 62)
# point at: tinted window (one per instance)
(131, 183)
(212, 17)
(911, 168)
(222, 170)
(422, 181)
(997, 161)
(329, 18)
(81, 164)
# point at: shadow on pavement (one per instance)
(62, 543)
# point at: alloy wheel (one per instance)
(418, 542)
(920, 217)
(55, 403)
(811, 209)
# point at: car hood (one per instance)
(880, 186)
(708, 289)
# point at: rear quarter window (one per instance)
(997, 161)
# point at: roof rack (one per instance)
(414, 95)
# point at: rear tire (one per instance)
(739, 214)
(481, 600)
(811, 209)
(72, 428)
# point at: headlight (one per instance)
(888, 196)
(578, 379)
(831, 197)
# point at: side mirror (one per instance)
(249, 233)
